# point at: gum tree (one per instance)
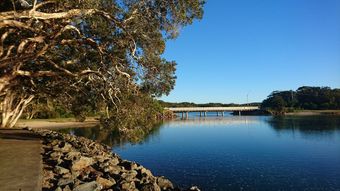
(94, 48)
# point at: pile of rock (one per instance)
(78, 164)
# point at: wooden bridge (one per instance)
(203, 110)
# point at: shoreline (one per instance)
(314, 112)
(65, 123)
(60, 123)
(80, 164)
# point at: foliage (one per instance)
(92, 50)
(314, 98)
(46, 108)
(137, 113)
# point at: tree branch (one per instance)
(13, 23)
(60, 15)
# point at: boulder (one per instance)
(145, 172)
(60, 170)
(114, 161)
(128, 165)
(56, 155)
(113, 169)
(105, 183)
(150, 187)
(129, 175)
(128, 186)
(73, 155)
(65, 181)
(67, 188)
(101, 158)
(82, 163)
(63, 147)
(164, 183)
(90, 186)
(194, 188)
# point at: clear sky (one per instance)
(253, 47)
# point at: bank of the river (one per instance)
(79, 164)
(296, 112)
(56, 123)
(314, 112)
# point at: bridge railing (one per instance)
(212, 109)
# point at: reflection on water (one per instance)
(239, 152)
(213, 121)
(112, 137)
(316, 123)
(312, 127)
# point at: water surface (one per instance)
(243, 153)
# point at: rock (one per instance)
(144, 180)
(194, 188)
(145, 172)
(114, 161)
(54, 142)
(58, 189)
(128, 186)
(129, 175)
(128, 165)
(59, 161)
(90, 186)
(65, 181)
(67, 188)
(60, 170)
(113, 169)
(68, 175)
(150, 187)
(82, 163)
(101, 158)
(77, 182)
(105, 183)
(56, 155)
(73, 155)
(164, 183)
(63, 147)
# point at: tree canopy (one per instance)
(90, 49)
(303, 98)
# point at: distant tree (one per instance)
(64, 48)
(303, 98)
(275, 101)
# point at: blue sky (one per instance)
(253, 47)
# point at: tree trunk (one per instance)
(12, 107)
(4, 83)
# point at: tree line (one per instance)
(192, 104)
(306, 97)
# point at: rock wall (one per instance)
(78, 164)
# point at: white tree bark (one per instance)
(12, 107)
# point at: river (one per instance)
(239, 152)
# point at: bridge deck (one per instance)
(211, 109)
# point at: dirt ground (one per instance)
(20, 160)
(56, 123)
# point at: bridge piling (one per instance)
(203, 110)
